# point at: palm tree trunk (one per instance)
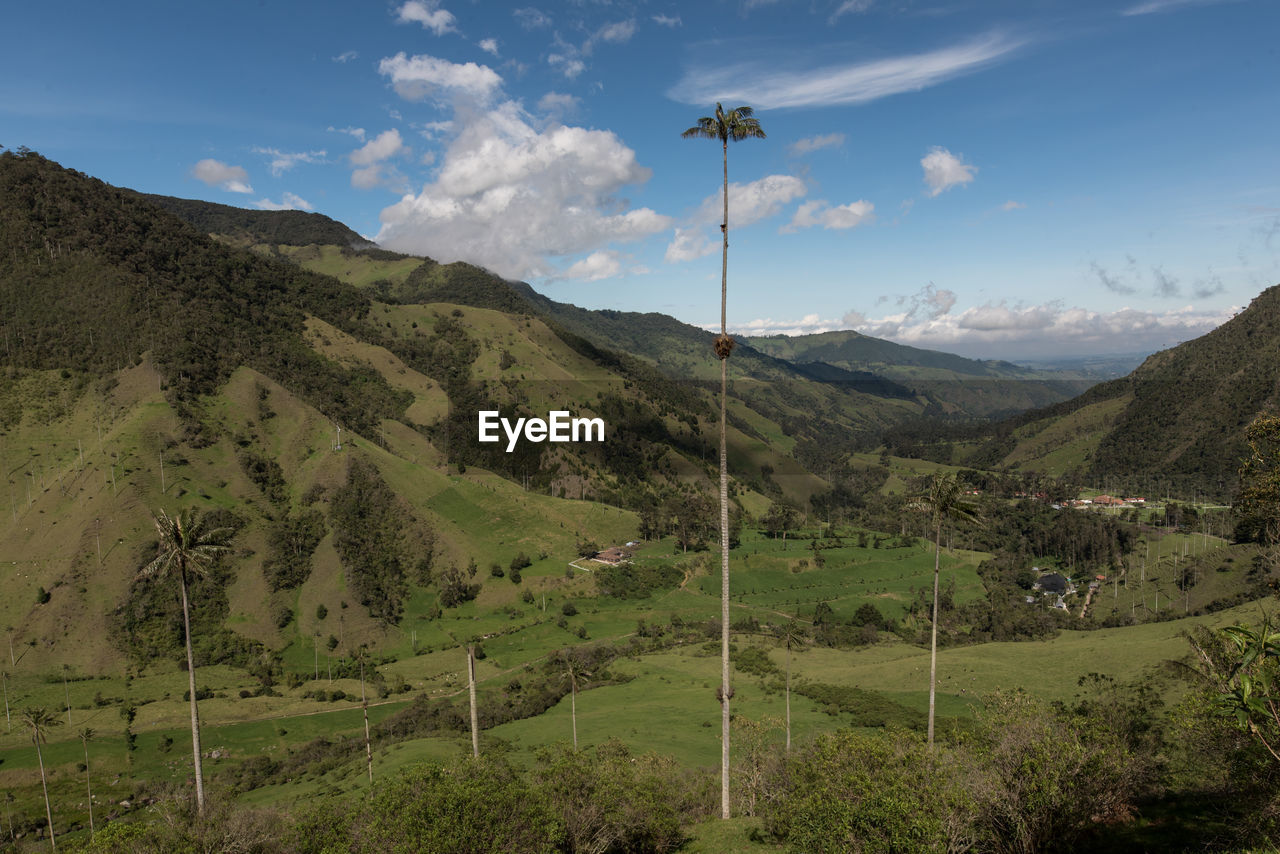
(933, 639)
(573, 706)
(48, 810)
(788, 699)
(724, 508)
(364, 704)
(191, 682)
(88, 785)
(475, 718)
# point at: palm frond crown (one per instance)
(736, 125)
(187, 544)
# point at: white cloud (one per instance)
(384, 145)
(569, 66)
(1018, 331)
(820, 212)
(616, 33)
(429, 14)
(283, 161)
(943, 170)
(290, 202)
(1011, 205)
(558, 105)
(849, 7)
(688, 244)
(1025, 331)
(671, 21)
(215, 173)
(815, 143)
(358, 133)
(596, 266)
(532, 19)
(1164, 5)
(767, 83)
(488, 46)
(512, 198)
(371, 159)
(752, 202)
(421, 76)
(346, 56)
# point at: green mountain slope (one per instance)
(1176, 423)
(953, 384)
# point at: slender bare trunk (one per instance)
(195, 712)
(48, 810)
(475, 718)
(364, 704)
(725, 691)
(788, 699)
(573, 706)
(88, 785)
(933, 639)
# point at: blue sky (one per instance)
(1002, 179)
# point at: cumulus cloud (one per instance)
(215, 173)
(671, 21)
(489, 46)
(419, 77)
(752, 202)
(283, 161)
(771, 82)
(290, 202)
(558, 105)
(687, 245)
(429, 14)
(370, 160)
(943, 170)
(603, 264)
(384, 145)
(512, 198)
(815, 143)
(568, 65)
(820, 212)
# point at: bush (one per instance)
(475, 806)
(569, 609)
(869, 793)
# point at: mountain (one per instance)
(951, 384)
(1175, 424)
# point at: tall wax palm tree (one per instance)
(188, 547)
(792, 635)
(41, 720)
(87, 735)
(942, 499)
(362, 657)
(735, 125)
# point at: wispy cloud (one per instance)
(839, 217)
(1152, 6)
(290, 202)
(765, 85)
(815, 143)
(346, 56)
(1011, 205)
(671, 21)
(283, 161)
(849, 7)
